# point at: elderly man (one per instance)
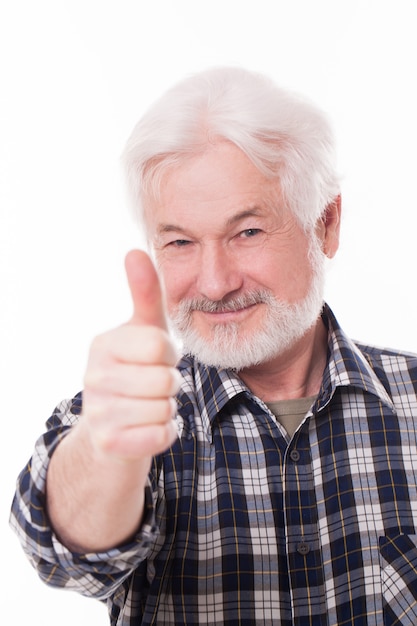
(269, 475)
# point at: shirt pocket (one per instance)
(398, 559)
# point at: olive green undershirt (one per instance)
(290, 413)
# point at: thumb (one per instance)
(145, 288)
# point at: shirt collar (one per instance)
(347, 365)
(206, 390)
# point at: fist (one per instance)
(131, 379)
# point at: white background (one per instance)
(75, 77)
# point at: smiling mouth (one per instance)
(234, 309)
(231, 305)
(227, 313)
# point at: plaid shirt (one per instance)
(244, 525)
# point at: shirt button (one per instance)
(303, 548)
(294, 455)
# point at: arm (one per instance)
(83, 508)
(94, 503)
(94, 574)
(97, 474)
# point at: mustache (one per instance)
(225, 305)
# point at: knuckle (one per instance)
(100, 379)
(158, 347)
(167, 381)
(161, 437)
(155, 344)
(176, 380)
(99, 343)
(171, 409)
(94, 412)
(90, 380)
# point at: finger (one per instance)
(131, 344)
(135, 381)
(145, 288)
(100, 410)
(138, 442)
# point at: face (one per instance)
(243, 281)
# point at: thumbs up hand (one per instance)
(131, 377)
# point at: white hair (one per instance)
(283, 134)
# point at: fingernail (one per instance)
(174, 430)
(174, 408)
(177, 380)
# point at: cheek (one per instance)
(177, 284)
(287, 274)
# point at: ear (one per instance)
(328, 227)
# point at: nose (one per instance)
(218, 273)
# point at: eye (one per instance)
(248, 233)
(179, 243)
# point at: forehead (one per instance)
(219, 181)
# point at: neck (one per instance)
(295, 374)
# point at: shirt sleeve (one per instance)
(95, 574)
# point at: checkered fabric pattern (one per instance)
(244, 526)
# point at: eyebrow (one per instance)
(235, 219)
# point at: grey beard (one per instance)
(227, 346)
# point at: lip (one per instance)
(227, 316)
